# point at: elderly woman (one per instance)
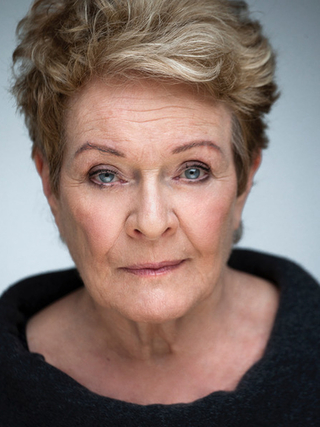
(147, 122)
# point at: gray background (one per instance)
(282, 214)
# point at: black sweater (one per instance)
(282, 389)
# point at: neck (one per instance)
(146, 341)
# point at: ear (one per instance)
(241, 200)
(44, 173)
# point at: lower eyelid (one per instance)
(203, 169)
(93, 175)
(93, 178)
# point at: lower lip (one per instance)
(153, 272)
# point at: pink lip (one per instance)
(153, 269)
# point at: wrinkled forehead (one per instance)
(101, 105)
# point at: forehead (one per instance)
(124, 110)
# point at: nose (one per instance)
(153, 214)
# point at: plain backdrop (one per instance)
(282, 213)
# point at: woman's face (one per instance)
(148, 197)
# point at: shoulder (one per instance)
(264, 264)
(24, 299)
(284, 273)
(33, 293)
(297, 322)
(52, 331)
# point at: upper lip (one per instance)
(153, 265)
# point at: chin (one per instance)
(155, 309)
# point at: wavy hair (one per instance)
(211, 44)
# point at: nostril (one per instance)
(167, 230)
(151, 234)
(151, 221)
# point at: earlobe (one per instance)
(243, 197)
(253, 170)
(44, 173)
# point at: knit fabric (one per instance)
(281, 389)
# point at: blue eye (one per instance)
(106, 177)
(192, 173)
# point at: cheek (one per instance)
(208, 220)
(90, 226)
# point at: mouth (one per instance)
(153, 269)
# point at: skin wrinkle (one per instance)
(109, 150)
(224, 65)
(138, 160)
(101, 148)
(147, 173)
(152, 110)
(176, 150)
(135, 337)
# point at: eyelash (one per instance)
(98, 172)
(195, 165)
(190, 165)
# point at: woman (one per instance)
(147, 119)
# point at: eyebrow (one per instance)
(101, 148)
(113, 151)
(191, 145)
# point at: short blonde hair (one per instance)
(211, 44)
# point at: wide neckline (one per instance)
(249, 262)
